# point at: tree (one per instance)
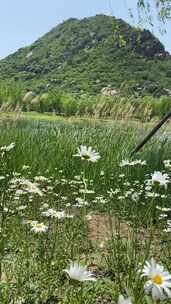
(162, 8)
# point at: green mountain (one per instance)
(90, 54)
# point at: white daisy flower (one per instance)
(30, 222)
(44, 206)
(39, 228)
(123, 300)
(80, 202)
(20, 301)
(26, 185)
(89, 217)
(86, 191)
(126, 162)
(87, 153)
(50, 213)
(159, 178)
(152, 194)
(135, 196)
(121, 175)
(79, 273)
(163, 209)
(168, 226)
(162, 216)
(22, 207)
(19, 192)
(40, 178)
(32, 188)
(168, 229)
(167, 163)
(56, 214)
(7, 148)
(159, 282)
(163, 196)
(139, 162)
(25, 167)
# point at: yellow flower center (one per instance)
(39, 226)
(85, 156)
(157, 279)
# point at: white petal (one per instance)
(157, 293)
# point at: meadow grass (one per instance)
(103, 215)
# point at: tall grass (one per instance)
(13, 98)
(115, 229)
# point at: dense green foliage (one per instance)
(163, 9)
(99, 106)
(84, 56)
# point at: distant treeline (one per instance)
(14, 98)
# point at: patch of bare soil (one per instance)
(103, 227)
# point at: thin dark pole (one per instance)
(152, 132)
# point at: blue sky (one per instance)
(22, 22)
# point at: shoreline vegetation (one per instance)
(102, 107)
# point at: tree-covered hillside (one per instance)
(90, 54)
